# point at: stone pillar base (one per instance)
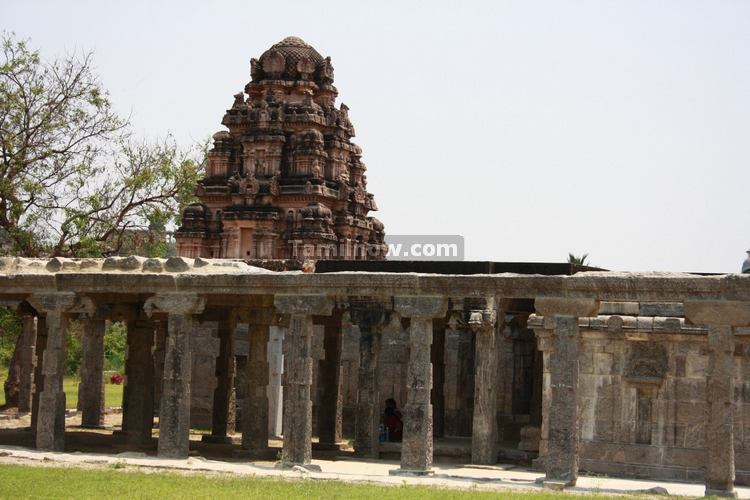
(710, 492)
(557, 485)
(408, 472)
(209, 438)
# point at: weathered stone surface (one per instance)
(174, 413)
(222, 413)
(711, 312)
(297, 447)
(50, 422)
(563, 306)
(370, 316)
(256, 409)
(561, 462)
(304, 304)
(137, 401)
(673, 309)
(28, 362)
(484, 434)
(330, 383)
(416, 449)
(420, 306)
(720, 398)
(91, 387)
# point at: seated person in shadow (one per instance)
(392, 420)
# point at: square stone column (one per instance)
(721, 317)
(371, 317)
(561, 461)
(275, 373)
(91, 387)
(298, 372)
(50, 421)
(255, 410)
(483, 322)
(417, 445)
(160, 345)
(38, 387)
(174, 413)
(221, 412)
(138, 395)
(330, 383)
(28, 361)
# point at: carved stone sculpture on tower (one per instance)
(285, 181)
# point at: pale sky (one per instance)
(533, 129)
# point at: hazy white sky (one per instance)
(616, 128)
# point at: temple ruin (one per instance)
(627, 374)
(554, 366)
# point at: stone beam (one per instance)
(174, 413)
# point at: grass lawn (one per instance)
(112, 392)
(50, 482)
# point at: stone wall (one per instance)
(642, 394)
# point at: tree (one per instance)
(73, 181)
(578, 260)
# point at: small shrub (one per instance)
(116, 379)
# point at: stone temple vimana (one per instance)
(286, 176)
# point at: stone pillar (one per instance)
(225, 370)
(330, 383)
(28, 361)
(160, 342)
(561, 462)
(370, 316)
(483, 322)
(416, 448)
(298, 372)
(91, 387)
(438, 376)
(721, 317)
(138, 396)
(255, 409)
(275, 372)
(50, 421)
(41, 346)
(174, 413)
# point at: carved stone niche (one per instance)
(646, 362)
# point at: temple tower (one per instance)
(285, 181)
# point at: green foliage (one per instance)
(10, 329)
(73, 181)
(115, 341)
(579, 260)
(75, 352)
(69, 482)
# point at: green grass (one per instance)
(112, 392)
(122, 481)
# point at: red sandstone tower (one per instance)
(285, 182)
